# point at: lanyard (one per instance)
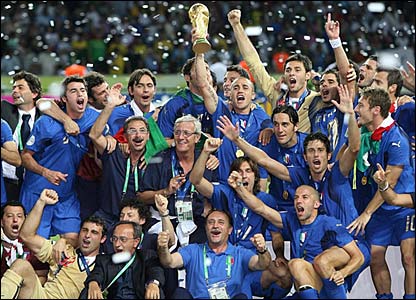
(121, 272)
(182, 190)
(84, 262)
(229, 262)
(127, 176)
(141, 241)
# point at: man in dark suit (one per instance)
(21, 116)
(26, 90)
(139, 276)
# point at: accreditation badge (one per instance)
(364, 180)
(239, 153)
(218, 290)
(285, 195)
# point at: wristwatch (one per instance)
(155, 281)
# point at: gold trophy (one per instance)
(199, 16)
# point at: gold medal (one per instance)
(239, 153)
(364, 180)
(285, 195)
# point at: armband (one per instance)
(383, 189)
(262, 252)
(335, 43)
(165, 215)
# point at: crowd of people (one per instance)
(106, 196)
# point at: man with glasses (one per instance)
(122, 175)
(169, 176)
(138, 276)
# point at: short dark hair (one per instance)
(317, 136)
(332, 71)
(239, 69)
(393, 77)
(186, 69)
(137, 74)
(306, 61)
(93, 79)
(12, 203)
(70, 79)
(32, 80)
(289, 110)
(137, 229)
(222, 211)
(378, 97)
(97, 220)
(135, 118)
(142, 209)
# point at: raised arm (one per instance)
(167, 259)
(162, 206)
(345, 105)
(203, 185)
(235, 180)
(252, 58)
(259, 156)
(205, 87)
(115, 98)
(28, 232)
(409, 78)
(50, 108)
(262, 260)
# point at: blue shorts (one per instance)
(390, 227)
(63, 217)
(252, 287)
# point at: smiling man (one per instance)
(66, 279)
(122, 174)
(215, 269)
(51, 158)
(13, 215)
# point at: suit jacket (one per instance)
(146, 266)
(10, 114)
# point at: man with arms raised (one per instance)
(66, 279)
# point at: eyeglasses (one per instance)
(185, 133)
(135, 131)
(122, 239)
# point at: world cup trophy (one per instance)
(199, 16)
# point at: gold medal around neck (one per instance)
(364, 180)
(285, 195)
(239, 153)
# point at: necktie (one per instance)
(24, 135)
(25, 129)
